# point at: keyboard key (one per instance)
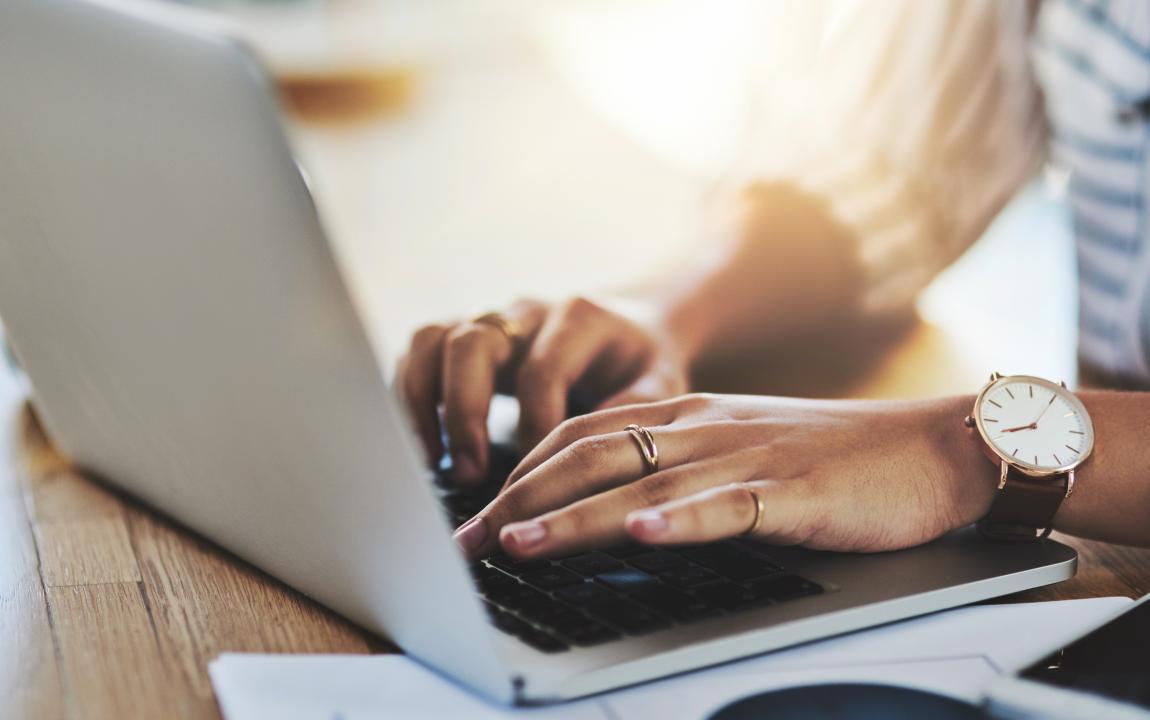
(785, 587)
(623, 552)
(552, 614)
(656, 562)
(731, 561)
(627, 580)
(516, 595)
(687, 576)
(496, 583)
(551, 577)
(678, 605)
(629, 617)
(510, 624)
(543, 641)
(517, 567)
(592, 564)
(588, 632)
(586, 593)
(485, 576)
(726, 595)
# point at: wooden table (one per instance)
(108, 611)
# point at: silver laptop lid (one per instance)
(168, 288)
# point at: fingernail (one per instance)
(472, 534)
(466, 468)
(525, 534)
(650, 522)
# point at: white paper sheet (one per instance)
(954, 653)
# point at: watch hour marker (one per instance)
(1009, 393)
(993, 403)
(1056, 460)
(1014, 452)
(1031, 390)
(1073, 450)
(989, 420)
(1035, 459)
(1077, 432)
(1069, 414)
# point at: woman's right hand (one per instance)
(576, 349)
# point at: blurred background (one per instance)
(469, 152)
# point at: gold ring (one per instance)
(511, 329)
(760, 510)
(646, 442)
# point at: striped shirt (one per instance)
(930, 116)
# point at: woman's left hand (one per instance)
(834, 475)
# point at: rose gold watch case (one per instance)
(974, 421)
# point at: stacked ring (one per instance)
(646, 442)
(511, 329)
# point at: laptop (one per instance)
(168, 287)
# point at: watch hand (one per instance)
(1031, 426)
(1035, 423)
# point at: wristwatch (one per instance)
(1039, 434)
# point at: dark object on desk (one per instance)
(1110, 661)
(853, 701)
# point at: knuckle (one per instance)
(698, 399)
(657, 489)
(528, 304)
(510, 504)
(427, 336)
(581, 309)
(691, 517)
(575, 523)
(462, 427)
(464, 339)
(588, 451)
(574, 429)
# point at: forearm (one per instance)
(785, 268)
(1111, 499)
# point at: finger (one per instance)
(598, 521)
(567, 344)
(472, 355)
(586, 467)
(419, 375)
(727, 511)
(657, 384)
(654, 416)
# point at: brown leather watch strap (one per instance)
(1024, 508)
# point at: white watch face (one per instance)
(1034, 423)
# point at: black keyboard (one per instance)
(628, 590)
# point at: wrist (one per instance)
(971, 479)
